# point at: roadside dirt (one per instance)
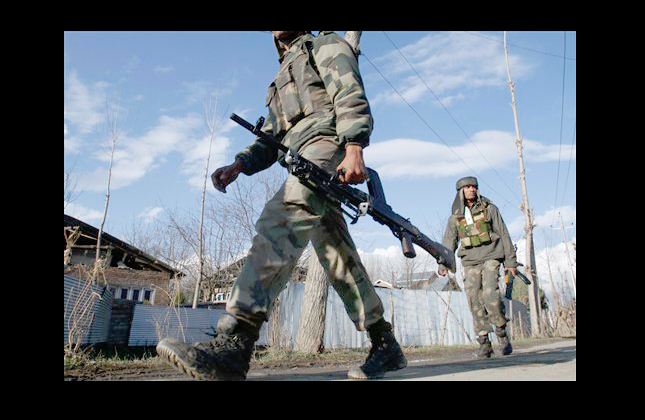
(153, 369)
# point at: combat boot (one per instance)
(224, 358)
(485, 348)
(504, 341)
(384, 356)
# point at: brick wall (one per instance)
(140, 278)
(123, 277)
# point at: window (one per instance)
(222, 297)
(137, 295)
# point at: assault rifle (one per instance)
(509, 282)
(357, 201)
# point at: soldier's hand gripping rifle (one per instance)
(509, 282)
(357, 201)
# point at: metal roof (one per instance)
(118, 243)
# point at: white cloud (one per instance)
(84, 106)
(548, 219)
(195, 158)
(82, 213)
(489, 148)
(390, 252)
(551, 218)
(449, 63)
(538, 152)
(137, 156)
(163, 69)
(150, 213)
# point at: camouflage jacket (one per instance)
(317, 91)
(498, 247)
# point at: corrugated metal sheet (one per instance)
(87, 311)
(150, 323)
(419, 317)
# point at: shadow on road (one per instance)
(418, 370)
(540, 357)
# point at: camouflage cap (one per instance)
(468, 180)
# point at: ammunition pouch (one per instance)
(476, 234)
(291, 98)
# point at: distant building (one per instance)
(384, 284)
(131, 274)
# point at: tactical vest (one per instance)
(297, 90)
(477, 233)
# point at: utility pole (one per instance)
(534, 304)
(353, 38)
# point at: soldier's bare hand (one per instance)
(352, 169)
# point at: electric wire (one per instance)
(566, 180)
(557, 178)
(451, 116)
(520, 47)
(479, 177)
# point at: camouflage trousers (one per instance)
(482, 291)
(293, 217)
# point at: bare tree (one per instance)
(227, 226)
(69, 186)
(210, 114)
(112, 135)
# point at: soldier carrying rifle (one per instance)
(318, 108)
(477, 224)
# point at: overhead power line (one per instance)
(557, 179)
(433, 130)
(450, 115)
(520, 47)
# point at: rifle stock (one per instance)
(356, 200)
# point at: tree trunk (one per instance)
(112, 119)
(211, 121)
(311, 331)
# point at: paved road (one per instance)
(542, 362)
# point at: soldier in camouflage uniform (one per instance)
(317, 107)
(485, 243)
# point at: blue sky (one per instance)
(449, 117)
